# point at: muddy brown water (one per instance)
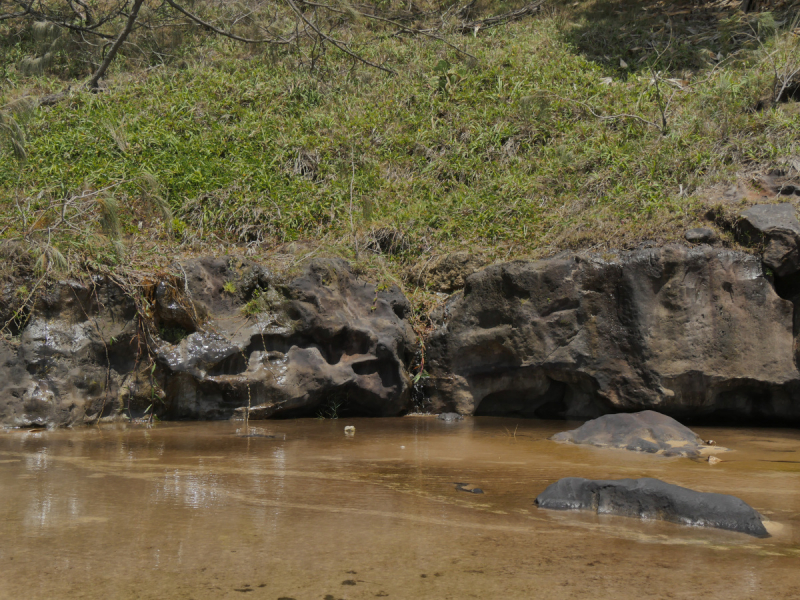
(193, 510)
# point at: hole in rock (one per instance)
(346, 342)
(123, 353)
(525, 403)
(173, 334)
(385, 370)
(528, 395)
(235, 364)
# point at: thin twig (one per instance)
(335, 42)
(474, 26)
(395, 23)
(228, 34)
(605, 117)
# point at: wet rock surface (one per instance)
(201, 352)
(467, 487)
(691, 332)
(648, 498)
(646, 431)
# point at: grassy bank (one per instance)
(593, 125)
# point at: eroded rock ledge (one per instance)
(690, 332)
(201, 347)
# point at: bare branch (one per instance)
(396, 24)
(227, 34)
(14, 15)
(474, 26)
(334, 41)
(101, 71)
(605, 117)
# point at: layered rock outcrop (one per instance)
(689, 332)
(216, 339)
(693, 332)
(325, 338)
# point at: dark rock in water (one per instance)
(323, 337)
(450, 417)
(696, 332)
(646, 431)
(653, 499)
(777, 226)
(700, 235)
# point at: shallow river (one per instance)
(197, 511)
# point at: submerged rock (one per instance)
(695, 332)
(450, 417)
(467, 487)
(646, 431)
(653, 499)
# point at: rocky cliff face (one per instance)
(191, 349)
(693, 332)
(71, 358)
(690, 332)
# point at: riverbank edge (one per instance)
(106, 349)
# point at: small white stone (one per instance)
(402, 447)
(712, 460)
(349, 430)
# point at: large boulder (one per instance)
(69, 361)
(690, 332)
(326, 341)
(653, 499)
(777, 228)
(646, 431)
(215, 337)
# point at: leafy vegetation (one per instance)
(591, 125)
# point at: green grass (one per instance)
(498, 155)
